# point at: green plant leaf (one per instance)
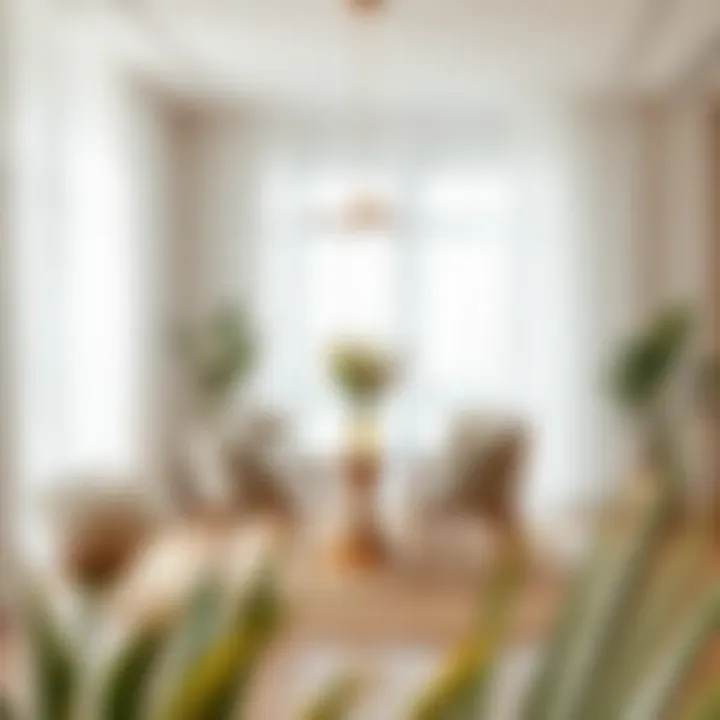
(654, 615)
(657, 692)
(217, 353)
(645, 364)
(604, 621)
(6, 709)
(55, 663)
(217, 680)
(336, 701)
(203, 619)
(561, 643)
(707, 705)
(123, 695)
(461, 690)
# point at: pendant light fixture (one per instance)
(366, 210)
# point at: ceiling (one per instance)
(440, 52)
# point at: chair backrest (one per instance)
(483, 466)
(100, 524)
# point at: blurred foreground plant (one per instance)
(199, 668)
(634, 622)
(632, 627)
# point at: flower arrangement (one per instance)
(361, 370)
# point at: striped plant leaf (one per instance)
(216, 682)
(458, 693)
(204, 616)
(655, 615)
(562, 643)
(338, 700)
(707, 706)
(7, 711)
(462, 688)
(123, 691)
(603, 625)
(657, 691)
(55, 664)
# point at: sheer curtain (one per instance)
(440, 284)
(496, 281)
(83, 298)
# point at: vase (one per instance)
(361, 543)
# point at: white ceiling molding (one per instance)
(454, 53)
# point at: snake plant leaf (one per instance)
(200, 624)
(462, 688)
(657, 692)
(216, 682)
(583, 591)
(6, 709)
(605, 617)
(202, 621)
(123, 692)
(336, 701)
(655, 616)
(707, 706)
(55, 665)
(457, 692)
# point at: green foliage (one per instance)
(203, 620)
(217, 354)
(462, 688)
(55, 669)
(361, 371)
(635, 620)
(123, 695)
(199, 669)
(629, 631)
(646, 363)
(212, 680)
(707, 706)
(6, 711)
(337, 700)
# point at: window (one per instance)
(438, 287)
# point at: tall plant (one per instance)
(643, 378)
(646, 363)
(633, 625)
(216, 354)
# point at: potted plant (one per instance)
(643, 379)
(363, 373)
(215, 356)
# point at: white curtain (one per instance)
(83, 300)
